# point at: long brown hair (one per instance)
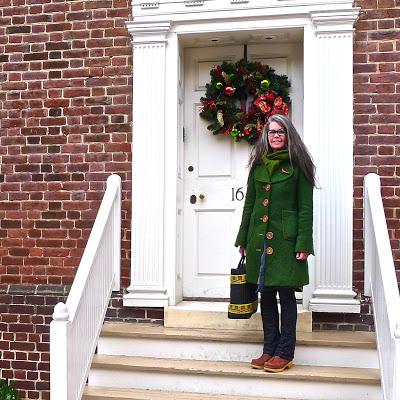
(298, 153)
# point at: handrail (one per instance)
(381, 284)
(76, 325)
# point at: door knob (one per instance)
(193, 198)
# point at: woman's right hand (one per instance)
(242, 251)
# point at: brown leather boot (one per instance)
(277, 364)
(260, 361)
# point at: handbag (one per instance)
(244, 299)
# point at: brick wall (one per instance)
(25, 330)
(65, 112)
(377, 139)
(65, 75)
(377, 118)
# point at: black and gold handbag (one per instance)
(244, 299)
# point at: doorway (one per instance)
(215, 167)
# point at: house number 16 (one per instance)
(238, 194)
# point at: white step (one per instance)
(336, 349)
(235, 378)
(214, 315)
(103, 393)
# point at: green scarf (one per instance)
(272, 160)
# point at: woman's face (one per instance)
(277, 137)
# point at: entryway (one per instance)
(173, 257)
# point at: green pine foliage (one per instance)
(7, 392)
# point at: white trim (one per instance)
(168, 26)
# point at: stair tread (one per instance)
(235, 368)
(99, 393)
(319, 338)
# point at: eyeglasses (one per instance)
(280, 132)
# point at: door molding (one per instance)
(158, 35)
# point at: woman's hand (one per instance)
(302, 256)
(242, 251)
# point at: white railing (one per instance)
(381, 285)
(76, 324)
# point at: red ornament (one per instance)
(229, 90)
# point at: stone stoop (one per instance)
(146, 361)
(213, 315)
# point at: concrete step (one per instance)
(234, 378)
(214, 315)
(103, 393)
(327, 348)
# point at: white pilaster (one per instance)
(148, 164)
(332, 112)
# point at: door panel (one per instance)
(213, 247)
(212, 148)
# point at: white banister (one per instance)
(76, 324)
(381, 285)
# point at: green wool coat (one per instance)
(278, 209)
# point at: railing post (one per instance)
(369, 240)
(59, 353)
(115, 180)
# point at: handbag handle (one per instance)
(241, 262)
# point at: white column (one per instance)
(331, 112)
(148, 165)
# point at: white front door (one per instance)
(215, 171)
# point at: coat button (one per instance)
(269, 250)
(267, 187)
(264, 218)
(265, 202)
(269, 235)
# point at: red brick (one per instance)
(58, 27)
(385, 78)
(80, 92)
(384, 57)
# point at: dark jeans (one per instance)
(279, 342)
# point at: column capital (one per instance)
(148, 32)
(338, 21)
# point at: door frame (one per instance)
(159, 33)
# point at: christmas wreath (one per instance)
(241, 97)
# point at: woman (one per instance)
(276, 234)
